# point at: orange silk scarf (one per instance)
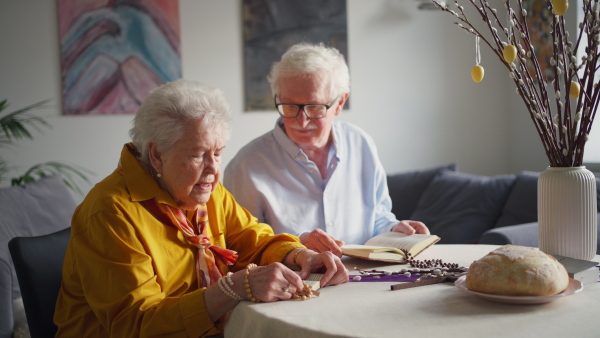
(208, 257)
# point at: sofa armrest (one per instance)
(523, 234)
(6, 300)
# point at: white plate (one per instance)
(574, 287)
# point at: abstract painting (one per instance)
(272, 26)
(115, 52)
(539, 23)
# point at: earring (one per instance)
(158, 175)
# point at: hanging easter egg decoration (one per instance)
(574, 90)
(509, 53)
(477, 73)
(560, 6)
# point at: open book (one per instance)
(386, 247)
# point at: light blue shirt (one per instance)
(274, 179)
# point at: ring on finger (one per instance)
(287, 288)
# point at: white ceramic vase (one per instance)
(567, 212)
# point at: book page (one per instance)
(397, 240)
(313, 280)
(372, 248)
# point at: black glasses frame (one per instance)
(301, 107)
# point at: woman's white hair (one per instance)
(163, 115)
(313, 60)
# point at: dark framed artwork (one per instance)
(115, 52)
(539, 23)
(272, 26)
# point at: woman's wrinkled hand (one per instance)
(273, 282)
(311, 261)
(320, 241)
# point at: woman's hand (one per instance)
(272, 282)
(320, 241)
(311, 261)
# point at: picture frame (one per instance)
(271, 27)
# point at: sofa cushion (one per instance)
(521, 204)
(522, 234)
(37, 208)
(460, 207)
(406, 188)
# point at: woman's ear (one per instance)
(154, 155)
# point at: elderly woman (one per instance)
(152, 244)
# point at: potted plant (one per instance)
(562, 108)
(20, 124)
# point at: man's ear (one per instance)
(341, 101)
(155, 157)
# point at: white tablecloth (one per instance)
(371, 309)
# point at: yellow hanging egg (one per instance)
(560, 6)
(477, 73)
(574, 91)
(509, 53)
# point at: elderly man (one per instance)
(313, 175)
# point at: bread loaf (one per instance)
(517, 271)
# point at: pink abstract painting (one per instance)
(115, 52)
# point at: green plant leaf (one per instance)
(18, 124)
(72, 175)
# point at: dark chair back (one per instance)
(38, 263)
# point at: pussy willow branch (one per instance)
(563, 134)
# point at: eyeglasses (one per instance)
(312, 111)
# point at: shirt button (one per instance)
(302, 157)
(330, 224)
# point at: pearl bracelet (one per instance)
(247, 283)
(226, 289)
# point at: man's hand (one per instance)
(411, 228)
(320, 241)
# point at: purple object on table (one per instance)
(390, 278)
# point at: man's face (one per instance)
(303, 89)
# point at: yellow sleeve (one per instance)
(116, 269)
(254, 242)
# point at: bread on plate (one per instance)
(515, 270)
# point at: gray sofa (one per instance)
(465, 208)
(35, 209)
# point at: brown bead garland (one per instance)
(424, 268)
(304, 294)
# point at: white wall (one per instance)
(411, 88)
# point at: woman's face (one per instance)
(190, 170)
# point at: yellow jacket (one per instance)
(126, 274)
